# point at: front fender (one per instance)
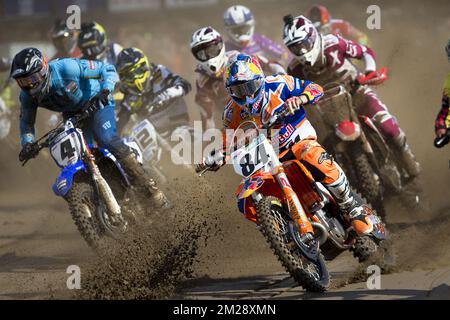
(250, 185)
(64, 181)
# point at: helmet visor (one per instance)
(207, 51)
(245, 89)
(32, 81)
(303, 46)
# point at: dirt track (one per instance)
(38, 240)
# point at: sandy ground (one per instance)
(38, 240)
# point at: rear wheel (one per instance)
(311, 275)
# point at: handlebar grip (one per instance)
(442, 141)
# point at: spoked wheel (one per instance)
(304, 262)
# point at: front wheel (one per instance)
(311, 275)
(368, 183)
(81, 199)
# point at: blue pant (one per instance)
(102, 127)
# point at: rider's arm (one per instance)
(295, 87)
(443, 118)
(28, 110)
(104, 72)
(175, 84)
(354, 50)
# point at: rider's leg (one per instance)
(371, 106)
(104, 127)
(325, 170)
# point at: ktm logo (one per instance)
(324, 156)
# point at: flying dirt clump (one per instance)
(151, 261)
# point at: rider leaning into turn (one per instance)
(258, 98)
(147, 84)
(65, 86)
(326, 59)
(443, 118)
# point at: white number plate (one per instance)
(247, 160)
(66, 148)
(145, 136)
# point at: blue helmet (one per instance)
(244, 81)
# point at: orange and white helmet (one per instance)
(208, 48)
(302, 39)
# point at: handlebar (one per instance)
(89, 109)
(439, 142)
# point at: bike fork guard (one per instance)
(295, 207)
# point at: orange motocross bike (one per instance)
(289, 206)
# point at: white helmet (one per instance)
(302, 39)
(239, 24)
(207, 47)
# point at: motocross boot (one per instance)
(357, 212)
(405, 155)
(142, 179)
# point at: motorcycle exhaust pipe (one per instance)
(323, 232)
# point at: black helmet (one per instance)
(92, 40)
(63, 38)
(30, 69)
(133, 68)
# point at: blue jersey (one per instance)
(73, 82)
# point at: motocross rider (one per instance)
(94, 44)
(66, 85)
(325, 59)
(253, 96)
(443, 118)
(147, 84)
(64, 40)
(322, 20)
(240, 27)
(208, 49)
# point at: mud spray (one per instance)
(151, 262)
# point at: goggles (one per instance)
(245, 89)
(207, 51)
(303, 46)
(33, 80)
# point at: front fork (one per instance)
(103, 188)
(295, 208)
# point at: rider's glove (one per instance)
(372, 77)
(294, 103)
(102, 98)
(210, 162)
(169, 94)
(29, 150)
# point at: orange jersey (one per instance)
(277, 89)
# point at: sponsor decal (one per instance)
(324, 156)
(285, 136)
